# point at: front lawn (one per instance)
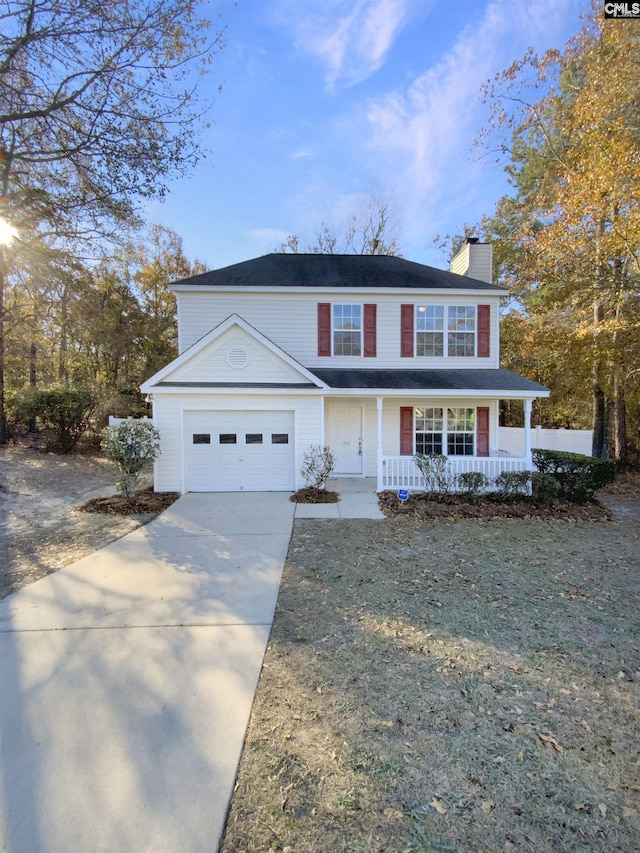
(449, 685)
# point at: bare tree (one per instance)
(372, 229)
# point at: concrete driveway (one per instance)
(127, 679)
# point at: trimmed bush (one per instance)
(544, 488)
(511, 483)
(130, 446)
(317, 464)
(472, 484)
(579, 476)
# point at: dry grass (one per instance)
(466, 685)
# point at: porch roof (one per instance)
(500, 380)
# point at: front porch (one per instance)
(368, 440)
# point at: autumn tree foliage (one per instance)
(567, 243)
(98, 109)
(107, 325)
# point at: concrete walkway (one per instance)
(358, 499)
(127, 679)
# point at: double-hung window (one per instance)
(460, 432)
(461, 330)
(347, 329)
(450, 431)
(430, 330)
(445, 330)
(429, 428)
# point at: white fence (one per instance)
(113, 421)
(401, 472)
(511, 439)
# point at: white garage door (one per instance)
(239, 451)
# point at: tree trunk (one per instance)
(621, 448)
(599, 447)
(599, 421)
(33, 379)
(63, 375)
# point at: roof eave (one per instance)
(489, 289)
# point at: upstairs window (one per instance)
(444, 331)
(430, 330)
(461, 326)
(347, 329)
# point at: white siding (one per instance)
(290, 321)
(169, 410)
(474, 260)
(236, 345)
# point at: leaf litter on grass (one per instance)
(469, 685)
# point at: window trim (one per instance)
(335, 305)
(446, 330)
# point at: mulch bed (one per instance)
(143, 502)
(315, 496)
(488, 507)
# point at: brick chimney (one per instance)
(474, 259)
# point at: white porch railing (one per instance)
(401, 472)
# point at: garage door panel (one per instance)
(245, 451)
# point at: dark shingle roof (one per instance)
(366, 271)
(500, 380)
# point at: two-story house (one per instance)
(378, 357)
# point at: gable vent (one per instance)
(237, 357)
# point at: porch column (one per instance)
(322, 439)
(527, 433)
(379, 486)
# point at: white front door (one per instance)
(345, 438)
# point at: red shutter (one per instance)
(370, 312)
(406, 430)
(406, 331)
(484, 330)
(482, 431)
(324, 328)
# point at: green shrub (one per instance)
(434, 470)
(544, 488)
(579, 476)
(130, 446)
(511, 483)
(472, 484)
(65, 413)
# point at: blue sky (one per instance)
(325, 101)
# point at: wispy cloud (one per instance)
(426, 131)
(351, 38)
(266, 235)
